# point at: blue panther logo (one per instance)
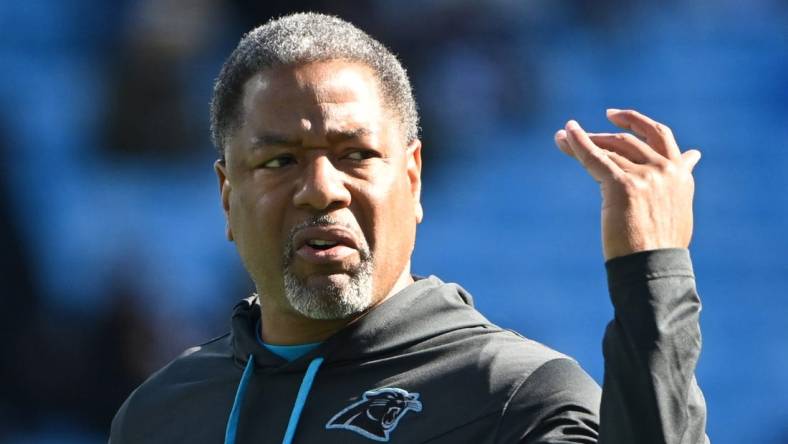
(377, 414)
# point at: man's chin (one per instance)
(329, 282)
(330, 296)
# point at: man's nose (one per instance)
(322, 186)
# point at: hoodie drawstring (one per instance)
(303, 391)
(235, 412)
(298, 407)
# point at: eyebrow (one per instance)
(333, 136)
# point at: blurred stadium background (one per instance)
(113, 257)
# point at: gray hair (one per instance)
(304, 38)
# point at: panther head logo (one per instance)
(377, 414)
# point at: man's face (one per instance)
(320, 191)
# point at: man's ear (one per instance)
(225, 189)
(413, 158)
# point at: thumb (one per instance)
(691, 158)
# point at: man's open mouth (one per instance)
(325, 244)
(321, 244)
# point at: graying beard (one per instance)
(330, 302)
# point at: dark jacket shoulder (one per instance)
(199, 378)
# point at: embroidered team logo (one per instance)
(377, 414)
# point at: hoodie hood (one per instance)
(437, 307)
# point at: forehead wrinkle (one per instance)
(338, 122)
(330, 111)
(333, 136)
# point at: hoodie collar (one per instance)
(425, 309)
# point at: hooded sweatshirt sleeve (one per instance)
(651, 348)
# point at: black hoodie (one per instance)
(425, 366)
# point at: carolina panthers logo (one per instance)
(377, 414)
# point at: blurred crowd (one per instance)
(111, 234)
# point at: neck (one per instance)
(285, 326)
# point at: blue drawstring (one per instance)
(303, 391)
(232, 422)
(298, 407)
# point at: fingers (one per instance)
(691, 158)
(626, 145)
(625, 164)
(594, 159)
(605, 154)
(615, 146)
(657, 135)
(562, 143)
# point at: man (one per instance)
(320, 177)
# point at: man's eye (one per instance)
(361, 155)
(279, 162)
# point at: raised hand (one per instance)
(646, 182)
